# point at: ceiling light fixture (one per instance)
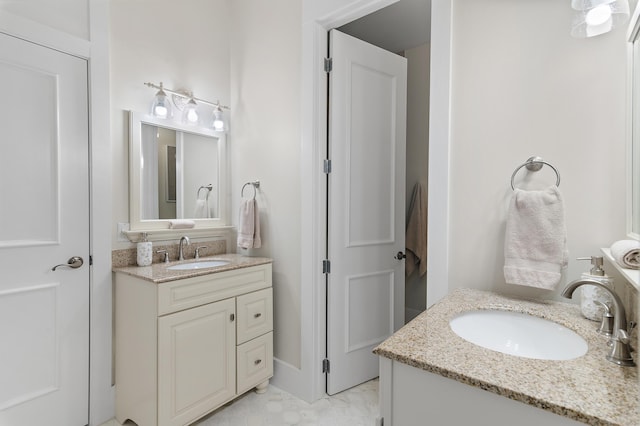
(189, 104)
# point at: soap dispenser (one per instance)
(144, 251)
(592, 294)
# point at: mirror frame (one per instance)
(156, 226)
(633, 36)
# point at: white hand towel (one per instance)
(626, 253)
(257, 241)
(249, 225)
(201, 209)
(181, 224)
(535, 248)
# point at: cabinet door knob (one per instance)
(258, 315)
(257, 361)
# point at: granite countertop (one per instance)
(158, 272)
(588, 389)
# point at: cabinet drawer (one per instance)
(255, 314)
(254, 362)
(182, 294)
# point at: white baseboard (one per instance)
(291, 379)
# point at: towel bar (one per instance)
(534, 164)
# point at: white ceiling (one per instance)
(398, 27)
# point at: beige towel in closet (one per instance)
(416, 236)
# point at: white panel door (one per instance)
(367, 129)
(44, 221)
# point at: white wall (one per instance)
(183, 44)
(265, 144)
(68, 16)
(521, 86)
(417, 151)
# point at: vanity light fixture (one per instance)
(190, 115)
(190, 112)
(161, 106)
(596, 17)
(219, 123)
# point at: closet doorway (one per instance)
(354, 296)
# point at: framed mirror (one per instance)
(633, 151)
(176, 172)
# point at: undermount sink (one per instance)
(519, 334)
(198, 265)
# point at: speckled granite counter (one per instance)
(588, 389)
(158, 272)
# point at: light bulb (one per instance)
(161, 107)
(190, 114)
(160, 111)
(598, 15)
(218, 120)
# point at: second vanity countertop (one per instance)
(588, 389)
(158, 272)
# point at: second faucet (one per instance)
(180, 247)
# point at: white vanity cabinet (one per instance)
(185, 347)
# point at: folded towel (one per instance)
(416, 235)
(181, 224)
(626, 253)
(249, 225)
(535, 247)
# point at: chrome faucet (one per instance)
(180, 248)
(620, 349)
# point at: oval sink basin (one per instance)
(519, 334)
(198, 265)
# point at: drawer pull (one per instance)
(258, 315)
(257, 361)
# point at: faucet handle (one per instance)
(606, 326)
(166, 255)
(623, 336)
(198, 251)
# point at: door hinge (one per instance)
(328, 64)
(326, 167)
(90, 260)
(325, 365)
(326, 266)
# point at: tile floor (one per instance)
(354, 407)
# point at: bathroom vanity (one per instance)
(189, 341)
(427, 371)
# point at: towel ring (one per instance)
(255, 185)
(208, 188)
(534, 164)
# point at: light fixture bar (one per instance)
(187, 96)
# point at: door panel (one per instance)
(365, 288)
(44, 221)
(196, 361)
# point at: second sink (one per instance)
(519, 334)
(198, 265)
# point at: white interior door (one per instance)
(44, 221)
(367, 132)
